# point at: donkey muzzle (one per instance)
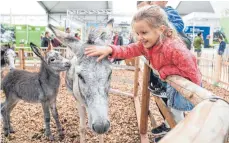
(101, 127)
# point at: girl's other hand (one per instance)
(102, 52)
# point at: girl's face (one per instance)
(146, 34)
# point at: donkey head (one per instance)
(52, 59)
(7, 56)
(89, 80)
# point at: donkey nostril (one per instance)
(106, 126)
(93, 127)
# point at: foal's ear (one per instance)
(36, 50)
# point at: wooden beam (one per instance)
(165, 112)
(144, 137)
(138, 110)
(118, 92)
(153, 121)
(189, 90)
(123, 67)
(136, 76)
(207, 123)
(218, 67)
(22, 59)
(145, 101)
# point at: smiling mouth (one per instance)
(144, 42)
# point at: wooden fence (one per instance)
(26, 57)
(215, 68)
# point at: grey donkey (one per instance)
(88, 80)
(41, 87)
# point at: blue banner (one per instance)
(204, 29)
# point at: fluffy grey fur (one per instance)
(41, 87)
(88, 80)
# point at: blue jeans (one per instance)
(177, 101)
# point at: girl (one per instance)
(163, 48)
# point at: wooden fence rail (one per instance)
(215, 69)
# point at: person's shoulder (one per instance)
(176, 45)
(169, 9)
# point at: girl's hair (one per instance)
(155, 17)
(139, 2)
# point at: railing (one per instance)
(26, 57)
(215, 68)
(207, 122)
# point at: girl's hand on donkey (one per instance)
(102, 52)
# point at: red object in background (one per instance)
(77, 37)
(116, 40)
(56, 42)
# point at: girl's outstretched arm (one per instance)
(121, 52)
(102, 52)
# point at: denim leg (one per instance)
(177, 101)
(177, 115)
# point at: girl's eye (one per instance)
(144, 32)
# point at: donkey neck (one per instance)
(49, 76)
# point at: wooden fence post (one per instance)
(136, 76)
(145, 100)
(206, 123)
(165, 112)
(218, 68)
(22, 58)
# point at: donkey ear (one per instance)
(50, 47)
(36, 50)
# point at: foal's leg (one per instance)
(45, 106)
(82, 114)
(4, 117)
(6, 109)
(10, 109)
(56, 118)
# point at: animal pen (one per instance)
(207, 122)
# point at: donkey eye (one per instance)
(80, 76)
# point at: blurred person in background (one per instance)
(45, 40)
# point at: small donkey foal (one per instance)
(41, 87)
